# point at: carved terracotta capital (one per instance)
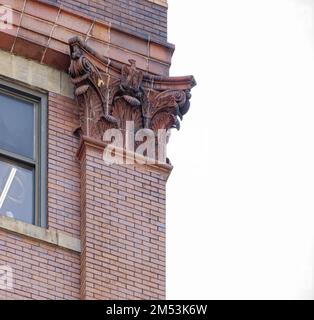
(109, 94)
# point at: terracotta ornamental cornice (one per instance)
(119, 77)
(111, 95)
(40, 31)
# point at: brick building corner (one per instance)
(96, 229)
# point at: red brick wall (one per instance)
(140, 16)
(124, 231)
(63, 166)
(40, 271)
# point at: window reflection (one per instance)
(16, 191)
(17, 126)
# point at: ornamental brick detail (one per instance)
(109, 94)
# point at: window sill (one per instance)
(53, 237)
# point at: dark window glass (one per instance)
(23, 154)
(16, 191)
(17, 131)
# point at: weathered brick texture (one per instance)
(141, 16)
(124, 230)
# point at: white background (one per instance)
(240, 216)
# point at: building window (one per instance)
(23, 153)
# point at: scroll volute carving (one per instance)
(92, 90)
(111, 94)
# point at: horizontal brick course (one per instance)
(142, 16)
(35, 38)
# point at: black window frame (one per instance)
(39, 100)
